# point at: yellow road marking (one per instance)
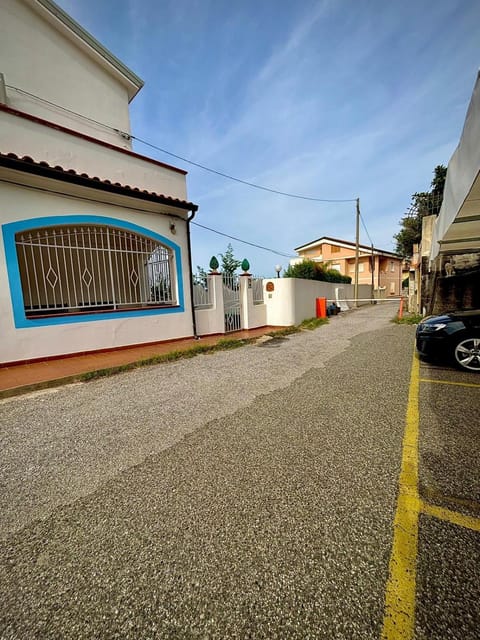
(454, 517)
(433, 496)
(399, 618)
(458, 384)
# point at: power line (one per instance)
(196, 164)
(173, 155)
(229, 177)
(252, 244)
(53, 104)
(366, 230)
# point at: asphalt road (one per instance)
(448, 575)
(246, 494)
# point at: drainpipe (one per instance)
(194, 322)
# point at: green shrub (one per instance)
(307, 270)
(310, 270)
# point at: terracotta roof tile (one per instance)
(26, 162)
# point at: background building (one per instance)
(448, 266)
(382, 270)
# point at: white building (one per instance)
(457, 228)
(94, 249)
(448, 269)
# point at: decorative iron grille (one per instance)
(89, 268)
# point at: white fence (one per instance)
(257, 290)
(277, 302)
(202, 294)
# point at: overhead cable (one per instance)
(252, 244)
(229, 177)
(366, 230)
(173, 155)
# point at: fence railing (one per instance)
(202, 294)
(257, 290)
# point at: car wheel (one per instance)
(466, 353)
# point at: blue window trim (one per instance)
(21, 321)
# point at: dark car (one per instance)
(453, 336)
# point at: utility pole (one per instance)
(357, 251)
(373, 275)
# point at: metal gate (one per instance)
(231, 302)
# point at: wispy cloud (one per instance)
(328, 98)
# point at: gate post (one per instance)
(218, 322)
(246, 299)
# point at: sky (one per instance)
(328, 99)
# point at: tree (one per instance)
(229, 263)
(200, 277)
(423, 204)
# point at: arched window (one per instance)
(76, 269)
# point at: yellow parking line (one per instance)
(399, 617)
(454, 517)
(458, 384)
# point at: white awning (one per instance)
(457, 228)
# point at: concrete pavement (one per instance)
(16, 379)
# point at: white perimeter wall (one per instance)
(19, 203)
(212, 319)
(294, 300)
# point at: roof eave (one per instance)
(27, 165)
(59, 16)
(346, 243)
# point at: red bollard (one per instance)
(321, 307)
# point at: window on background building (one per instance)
(392, 287)
(74, 269)
(361, 267)
(334, 249)
(392, 266)
(336, 267)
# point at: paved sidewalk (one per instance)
(23, 378)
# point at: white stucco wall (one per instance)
(19, 203)
(258, 316)
(294, 300)
(212, 320)
(38, 58)
(253, 315)
(42, 143)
